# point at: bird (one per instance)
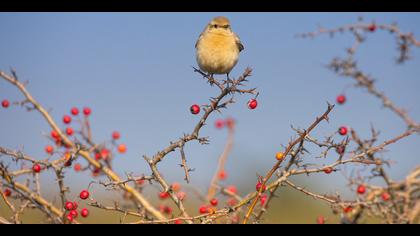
(218, 47)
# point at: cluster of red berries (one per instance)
(75, 112)
(122, 148)
(176, 188)
(252, 104)
(103, 154)
(214, 202)
(204, 209)
(71, 207)
(221, 123)
(165, 209)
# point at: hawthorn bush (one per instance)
(72, 147)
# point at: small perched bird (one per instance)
(218, 47)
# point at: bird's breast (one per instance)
(217, 53)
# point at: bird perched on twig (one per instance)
(218, 47)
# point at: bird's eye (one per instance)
(215, 26)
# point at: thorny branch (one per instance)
(402, 206)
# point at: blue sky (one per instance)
(134, 71)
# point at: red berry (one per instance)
(181, 196)
(55, 135)
(203, 209)
(167, 209)
(385, 196)
(67, 163)
(69, 217)
(5, 103)
(69, 206)
(219, 123)
(222, 175)
(263, 199)
(232, 189)
(36, 168)
(104, 153)
(84, 194)
(116, 135)
(320, 220)
(98, 156)
(49, 149)
(259, 186)
(75, 205)
(340, 149)
(96, 172)
(140, 181)
(77, 167)
(372, 27)
(214, 202)
(69, 131)
(178, 222)
(230, 123)
(252, 104)
(66, 119)
(84, 212)
(163, 195)
(341, 99)
(75, 111)
(73, 213)
(7, 192)
(122, 148)
(348, 209)
(232, 201)
(87, 111)
(342, 130)
(361, 189)
(328, 170)
(176, 187)
(195, 109)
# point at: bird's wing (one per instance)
(239, 43)
(199, 38)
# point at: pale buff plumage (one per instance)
(218, 47)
